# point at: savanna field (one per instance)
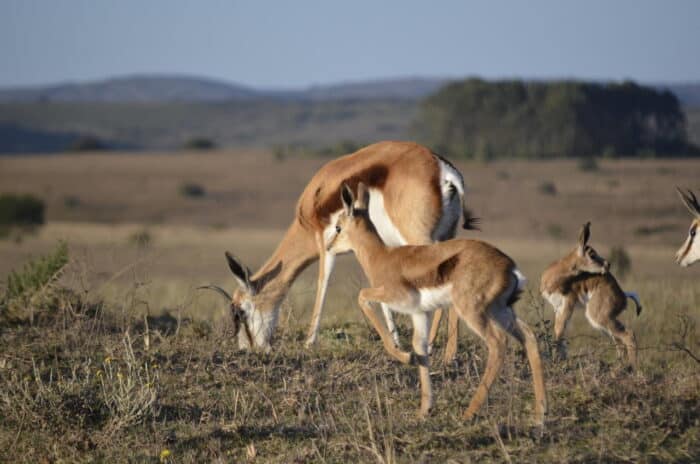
(117, 357)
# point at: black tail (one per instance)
(633, 296)
(470, 222)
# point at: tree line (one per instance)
(512, 118)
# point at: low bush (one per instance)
(21, 210)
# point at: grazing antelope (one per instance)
(582, 279)
(417, 197)
(689, 253)
(477, 280)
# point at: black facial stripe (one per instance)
(691, 234)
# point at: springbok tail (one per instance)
(634, 297)
(521, 281)
(470, 222)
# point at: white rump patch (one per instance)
(388, 232)
(451, 205)
(522, 280)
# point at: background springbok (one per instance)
(689, 253)
(479, 281)
(582, 279)
(417, 197)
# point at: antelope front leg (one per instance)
(325, 267)
(421, 329)
(452, 334)
(376, 294)
(437, 317)
(562, 314)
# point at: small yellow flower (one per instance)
(164, 455)
(108, 360)
(119, 375)
(98, 373)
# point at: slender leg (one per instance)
(626, 336)
(561, 319)
(375, 294)
(421, 329)
(389, 319)
(452, 336)
(437, 317)
(522, 332)
(325, 267)
(495, 339)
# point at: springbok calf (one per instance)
(582, 279)
(417, 197)
(477, 280)
(689, 253)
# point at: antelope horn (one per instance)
(218, 290)
(690, 202)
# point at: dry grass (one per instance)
(186, 389)
(91, 385)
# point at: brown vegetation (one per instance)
(345, 400)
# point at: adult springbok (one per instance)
(417, 197)
(689, 253)
(582, 279)
(476, 279)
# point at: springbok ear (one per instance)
(240, 272)
(362, 196)
(583, 237)
(347, 198)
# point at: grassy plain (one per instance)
(139, 247)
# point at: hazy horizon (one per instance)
(302, 44)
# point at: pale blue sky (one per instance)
(299, 43)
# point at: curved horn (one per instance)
(690, 202)
(218, 290)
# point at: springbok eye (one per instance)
(337, 229)
(692, 231)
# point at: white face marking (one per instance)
(329, 232)
(261, 324)
(693, 254)
(386, 229)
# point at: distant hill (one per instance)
(165, 111)
(155, 88)
(172, 88)
(133, 89)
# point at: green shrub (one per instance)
(20, 210)
(547, 188)
(87, 143)
(199, 143)
(71, 201)
(587, 164)
(141, 239)
(192, 190)
(37, 275)
(555, 231)
(620, 262)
